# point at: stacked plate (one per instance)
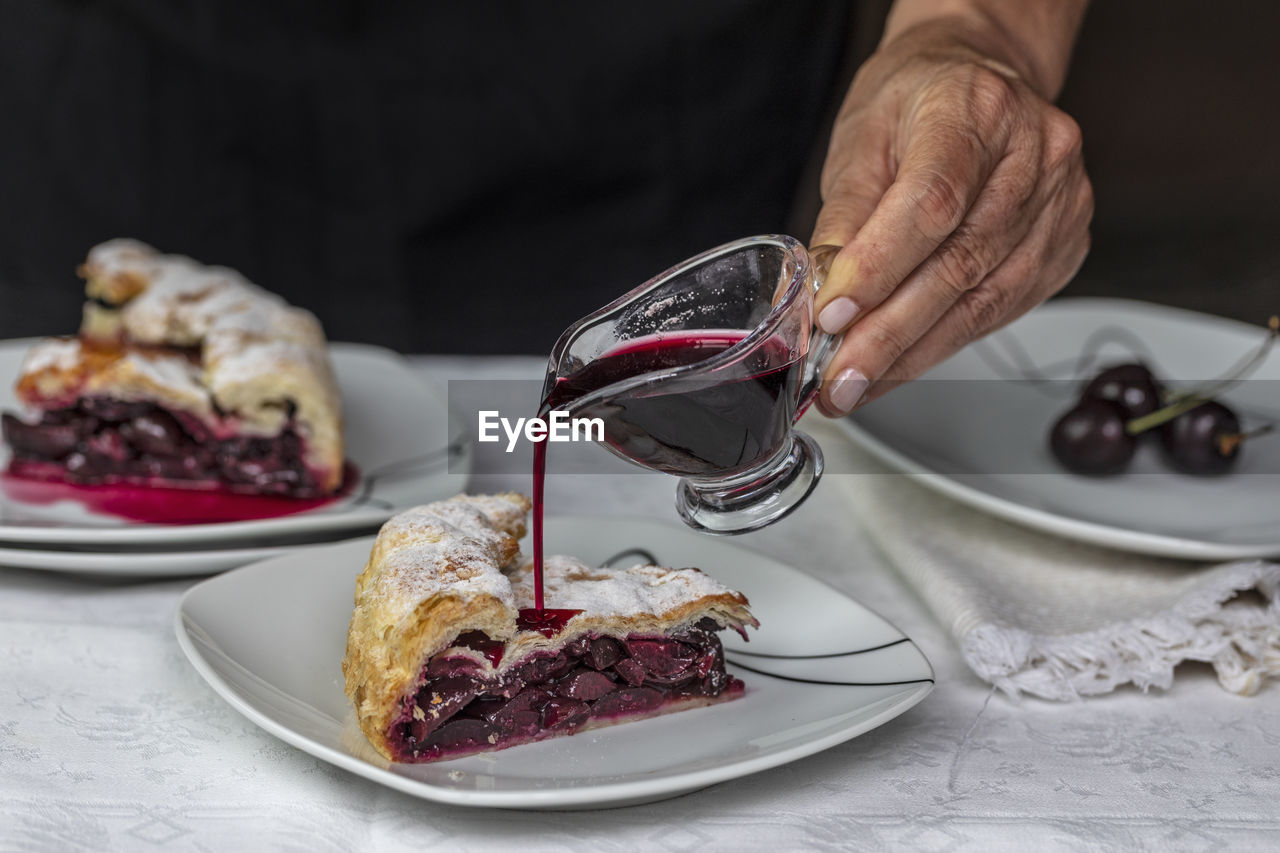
(414, 457)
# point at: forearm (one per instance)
(1033, 37)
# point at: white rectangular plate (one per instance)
(269, 639)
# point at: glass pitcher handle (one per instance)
(821, 345)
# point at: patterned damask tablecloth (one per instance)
(110, 741)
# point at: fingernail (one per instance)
(838, 314)
(847, 389)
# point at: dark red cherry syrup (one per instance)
(539, 481)
(730, 419)
(164, 504)
(480, 642)
(545, 620)
(713, 424)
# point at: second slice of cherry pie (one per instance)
(445, 658)
(182, 374)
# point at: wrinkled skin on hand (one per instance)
(959, 195)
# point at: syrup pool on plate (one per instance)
(163, 505)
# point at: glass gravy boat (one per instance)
(702, 372)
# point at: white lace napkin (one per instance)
(1055, 618)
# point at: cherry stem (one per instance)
(1185, 401)
(1163, 416)
(1228, 443)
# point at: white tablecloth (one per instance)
(131, 751)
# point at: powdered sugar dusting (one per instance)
(615, 592)
(53, 354)
(184, 300)
(121, 256)
(234, 367)
(460, 564)
(131, 374)
(185, 303)
(256, 351)
(455, 546)
(474, 514)
(171, 371)
(235, 357)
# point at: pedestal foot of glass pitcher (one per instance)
(757, 499)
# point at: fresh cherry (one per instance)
(1124, 402)
(1092, 439)
(1205, 440)
(1133, 386)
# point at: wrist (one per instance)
(1029, 40)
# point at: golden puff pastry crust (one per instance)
(196, 340)
(452, 570)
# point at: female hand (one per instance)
(958, 193)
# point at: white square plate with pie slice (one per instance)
(820, 670)
(398, 436)
(976, 429)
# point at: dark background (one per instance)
(1178, 103)
(472, 177)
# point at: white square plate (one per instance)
(270, 637)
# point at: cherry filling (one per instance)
(458, 710)
(103, 440)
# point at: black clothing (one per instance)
(434, 177)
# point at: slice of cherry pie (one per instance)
(182, 374)
(445, 658)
